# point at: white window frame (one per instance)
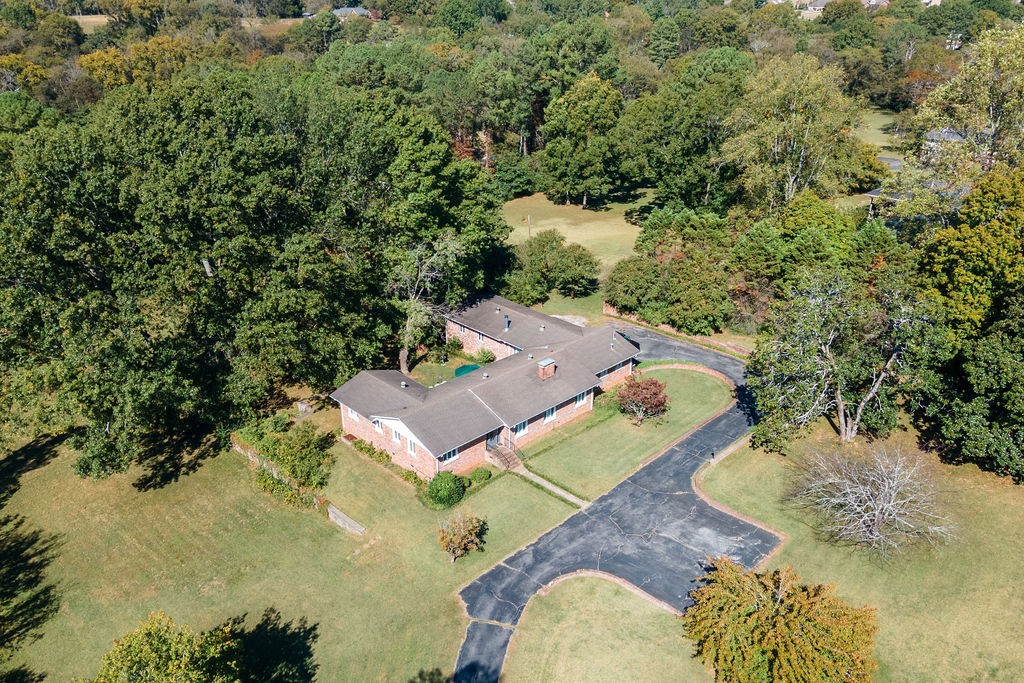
(411, 447)
(521, 429)
(479, 336)
(396, 436)
(581, 398)
(462, 328)
(353, 414)
(378, 426)
(448, 456)
(550, 414)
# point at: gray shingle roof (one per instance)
(351, 11)
(505, 392)
(527, 328)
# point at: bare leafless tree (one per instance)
(883, 502)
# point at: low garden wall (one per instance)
(257, 461)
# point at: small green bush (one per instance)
(371, 451)
(411, 477)
(480, 475)
(485, 356)
(445, 490)
(281, 490)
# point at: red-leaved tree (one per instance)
(641, 398)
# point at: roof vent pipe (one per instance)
(405, 385)
(542, 327)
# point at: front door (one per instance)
(492, 439)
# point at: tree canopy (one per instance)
(762, 627)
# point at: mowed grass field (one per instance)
(90, 23)
(591, 629)
(605, 232)
(210, 547)
(591, 455)
(872, 129)
(950, 613)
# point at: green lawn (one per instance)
(428, 374)
(952, 613)
(90, 23)
(604, 232)
(591, 308)
(593, 454)
(874, 130)
(210, 547)
(590, 629)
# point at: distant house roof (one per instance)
(943, 135)
(345, 12)
(526, 328)
(818, 5)
(503, 393)
(893, 163)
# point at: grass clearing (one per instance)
(873, 130)
(270, 27)
(590, 308)
(211, 546)
(605, 232)
(428, 373)
(590, 456)
(951, 613)
(591, 629)
(90, 23)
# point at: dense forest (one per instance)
(201, 204)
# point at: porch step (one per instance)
(503, 458)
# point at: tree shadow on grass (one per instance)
(27, 599)
(275, 650)
(21, 674)
(171, 457)
(31, 456)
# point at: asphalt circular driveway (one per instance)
(652, 530)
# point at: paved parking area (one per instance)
(651, 530)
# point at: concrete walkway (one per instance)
(553, 488)
(652, 530)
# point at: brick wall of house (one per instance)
(616, 377)
(421, 462)
(472, 345)
(470, 457)
(565, 412)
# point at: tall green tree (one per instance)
(835, 348)
(672, 138)
(188, 248)
(579, 152)
(762, 627)
(983, 105)
(161, 651)
(792, 132)
(663, 42)
(678, 276)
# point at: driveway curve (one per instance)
(652, 530)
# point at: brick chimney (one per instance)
(546, 368)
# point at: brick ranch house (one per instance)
(545, 375)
